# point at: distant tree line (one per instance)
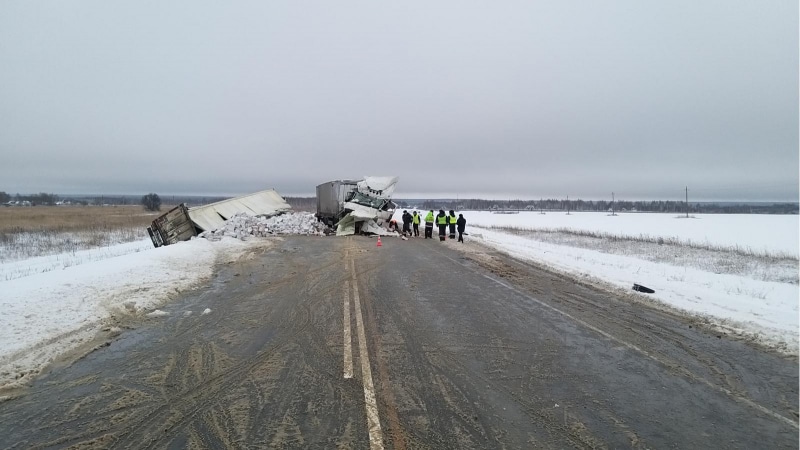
(310, 204)
(602, 205)
(41, 198)
(45, 199)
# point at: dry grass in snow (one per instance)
(762, 266)
(48, 230)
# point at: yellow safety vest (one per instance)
(415, 219)
(453, 220)
(429, 217)
(442, 220)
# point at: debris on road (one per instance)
(640, 288)
(243, 225)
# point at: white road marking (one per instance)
(373, 421)
(348, 340)
(635, 348)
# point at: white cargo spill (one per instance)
(213, 216)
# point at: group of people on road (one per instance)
(442, 220)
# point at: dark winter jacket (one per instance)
(461, 223)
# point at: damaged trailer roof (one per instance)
(214, 215)
(381, 187)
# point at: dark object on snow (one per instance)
(174, 226)
(640, 288)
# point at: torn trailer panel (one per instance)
(367, 207)
(331, 197)
(182, 223)
(369, 198)
(264, 203)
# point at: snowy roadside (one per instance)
(45, 315)
(766, 311)
(52, 305)
(26, 267)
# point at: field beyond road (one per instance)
(314, 342)
(74, 218)
(31, 232)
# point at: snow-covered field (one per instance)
(758, 233)
(738, 271)
(52, 304)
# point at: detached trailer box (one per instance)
(331, 197)
(174, 226)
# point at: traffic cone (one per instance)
(379, 244)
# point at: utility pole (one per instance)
(613, 213)
(568, 205)
(687, 202)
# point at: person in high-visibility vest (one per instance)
(451, 220)
(415, 222)
(441, 220)
(429, 225)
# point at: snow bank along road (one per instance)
(332, 342)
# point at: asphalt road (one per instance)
(336, 343)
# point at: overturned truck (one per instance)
(182, 223)
(356, 206)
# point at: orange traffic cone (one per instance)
(379, 244)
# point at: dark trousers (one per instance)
(460, 235)
(452, 231)
(442, 232)
(406, 228)
(416, 229)
(428, 230)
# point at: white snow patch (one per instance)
(765, 309)
(46, 314)
(157, 313)
(206, 311)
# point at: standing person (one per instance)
(406, 223)
(429, 225)
(415, 222)
(441, 220)
(461, 223)
(451, 220)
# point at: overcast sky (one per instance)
(510, 99)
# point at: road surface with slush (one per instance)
(325, 342)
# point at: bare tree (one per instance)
(151, 202)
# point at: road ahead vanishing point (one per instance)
(335, 343)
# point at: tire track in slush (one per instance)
(653, 355)
(189, 404)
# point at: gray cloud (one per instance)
(519, 99)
